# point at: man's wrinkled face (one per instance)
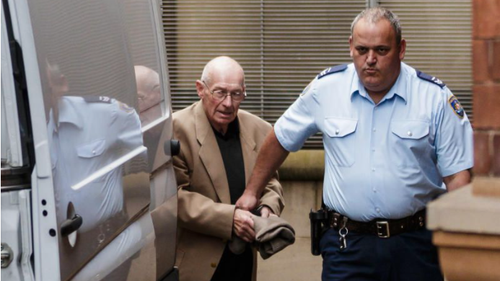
(221, 112)
(149, 95)
(376, 55)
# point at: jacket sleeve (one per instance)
(272, 196)
(197, 212)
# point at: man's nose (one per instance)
(228, 100)
(371, 57)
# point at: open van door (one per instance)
(89, 124)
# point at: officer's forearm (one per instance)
(457, 180)
(270, 158)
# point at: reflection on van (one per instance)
(87, 180)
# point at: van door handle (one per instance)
(71, 225)
(172, 146)
(7, 255)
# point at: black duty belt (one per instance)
(380, 227)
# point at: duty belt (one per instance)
(380, 227)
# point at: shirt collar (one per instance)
(398, 89)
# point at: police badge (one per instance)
(456, 106)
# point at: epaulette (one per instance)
(102, 99)
(429, 78)
(331, 70)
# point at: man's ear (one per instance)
(402, 49)
(61, 84)
(200, 88)
(64, 82)
(351, 48)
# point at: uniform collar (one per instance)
(398, 89)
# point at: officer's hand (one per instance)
(243, 225)
(265, 212)
(247, 201)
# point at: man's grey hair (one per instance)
(375, 14)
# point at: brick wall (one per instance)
(486, 89)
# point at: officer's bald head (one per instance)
(374, 15)
(221, 66)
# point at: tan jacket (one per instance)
(205, 213)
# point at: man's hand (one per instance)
(247, 201)
(270, 158)
(243, 225)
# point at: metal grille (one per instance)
(283, 44)
(438, 35)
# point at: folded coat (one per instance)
(272, 235)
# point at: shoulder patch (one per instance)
(429, 78)
(456, 106)
(102, 99)
(331, 70)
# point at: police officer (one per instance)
(85, 135)
(395, 139)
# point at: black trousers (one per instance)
(234, 267)
(408, 256)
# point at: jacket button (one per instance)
(214, 265)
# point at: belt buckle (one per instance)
(383, 226)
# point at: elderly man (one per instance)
(219, 146)
(395, 139)
(148, 94)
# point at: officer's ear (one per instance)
(64, 83)
(60, 84)
(200, 88)
(350, 46)
(402, 49)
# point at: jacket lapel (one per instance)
(210, 154)
(248, 147)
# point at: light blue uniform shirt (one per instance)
(383, 160)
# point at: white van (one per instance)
(88, 187)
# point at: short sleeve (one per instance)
(298, 122)
(129, 134)
(454, 146)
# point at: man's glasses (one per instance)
(222, 94)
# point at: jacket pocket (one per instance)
(339, 136)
